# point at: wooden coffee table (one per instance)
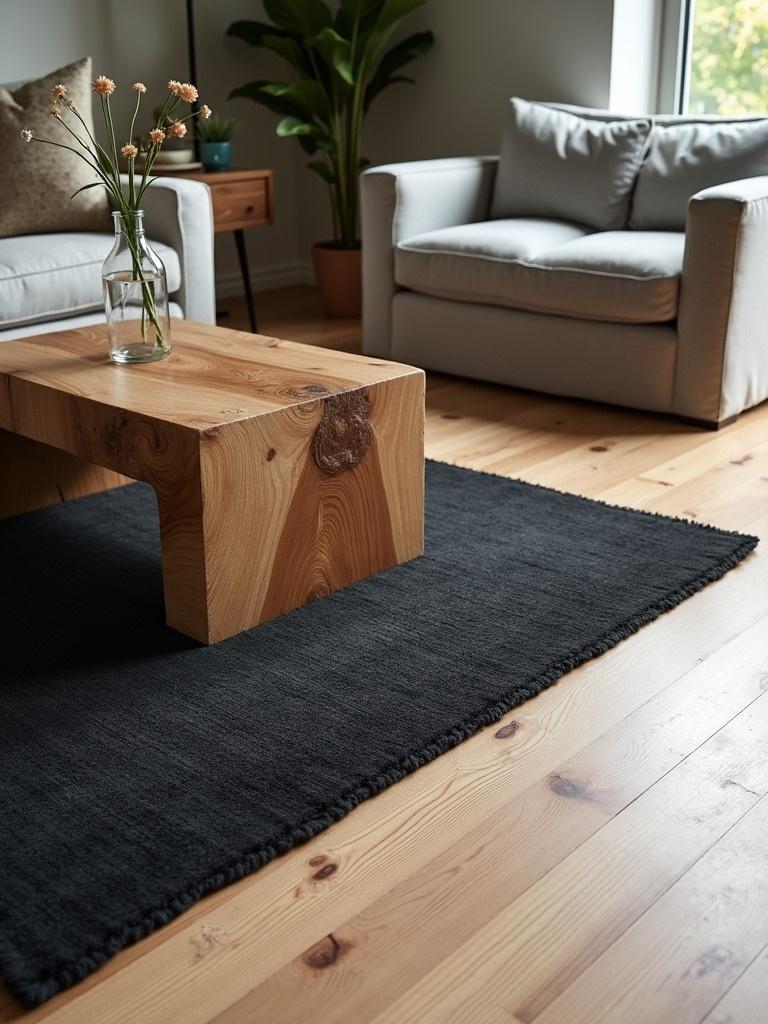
(282, 471)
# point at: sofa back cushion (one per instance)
(36, 181)
(686, 157)
(687, 153)
(557, 164)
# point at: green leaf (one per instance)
(104, 161)
(287, 45)
(290, 126)
(284, 107)
(305, 17)
(336, 52)
(360, 8)
(364, 12)
(254, 32)
(307, 96)
(404, 52)
(307, 143)
(291, 50)
(373, 90)
(379, 33)
(393, 11)
(94, 184)
(293, 126)
(409, 49)
(277, 104)
(323, 170)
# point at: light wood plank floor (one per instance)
(598, 857)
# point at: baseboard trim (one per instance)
(282, 275)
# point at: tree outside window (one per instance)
(728, 69)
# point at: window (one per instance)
(724, 65)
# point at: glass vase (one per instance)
(135, 295)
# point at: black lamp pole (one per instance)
(192, 60)
(191, 42)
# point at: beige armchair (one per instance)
(672, 321)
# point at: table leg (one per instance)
(267, 519)
(35, 475)
(242, 255)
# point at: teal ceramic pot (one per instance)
(216, 156)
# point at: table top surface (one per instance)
(213, 376)
(216, 177)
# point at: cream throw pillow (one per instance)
(36, 181)
(556, 164)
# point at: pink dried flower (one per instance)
(26, 135)
(177, 130)
(129, 151)
(104, 86)
(205, 111)
(59, 91)
(187, 92)
(174, 86)
(157, 135)
(139, 87)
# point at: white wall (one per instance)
(485, 51)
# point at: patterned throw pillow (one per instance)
(36, 181)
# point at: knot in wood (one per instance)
(344, 433)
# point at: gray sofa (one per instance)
(671, 319)
(52, 282)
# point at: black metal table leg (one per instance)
(242, 255)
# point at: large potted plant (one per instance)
(342, 61)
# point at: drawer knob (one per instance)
(250, 209)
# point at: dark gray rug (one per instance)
(139, 771)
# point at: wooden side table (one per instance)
(241, 199)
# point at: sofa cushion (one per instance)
(685, 158)
(556, 164)
(68, 324)
(37, 181)
(548, 267)
(45, 277)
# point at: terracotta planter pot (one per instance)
(339, 277)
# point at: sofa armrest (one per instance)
(722, 363)
(178, 212)
(402, 200)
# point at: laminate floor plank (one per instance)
(537, 947)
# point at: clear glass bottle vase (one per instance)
(135, 295)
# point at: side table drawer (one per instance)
(240, 204)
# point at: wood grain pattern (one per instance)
(240, 205)
(269, 462)
(699, 956)
(241, 199)
(356, 921)
(35, 475)
(512, 848)
(549, 936)
(744, 1002)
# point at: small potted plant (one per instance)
(214, 142)
(341, 60)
